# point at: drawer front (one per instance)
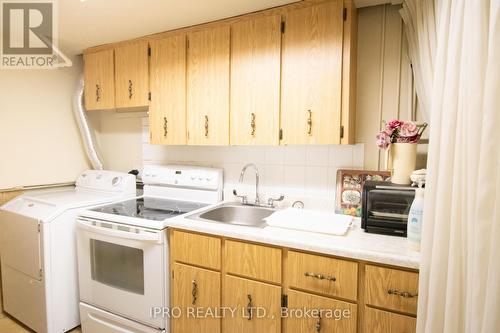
(378, 321)
(257, 306)
(391, 289)
(199, 250)
(253, 261)
(319, 314)
(329, 276)
(195, 288)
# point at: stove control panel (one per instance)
(183, 176)
(102, 180)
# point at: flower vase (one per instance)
(402, 162)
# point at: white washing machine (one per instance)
(38, 249)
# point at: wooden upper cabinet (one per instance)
(255, 81)
(99, 80)
(312, 74)
(208, 86)
(167, 111)
(132, 75)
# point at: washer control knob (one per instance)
(116, 181)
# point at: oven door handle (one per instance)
(143, 236)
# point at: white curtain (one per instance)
(420, 28)
(460, 257)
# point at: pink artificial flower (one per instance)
(383, 140)
(393, 124)
(408, 129)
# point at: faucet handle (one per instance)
(271, 201)
(242, 197)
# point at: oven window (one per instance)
(117, 266)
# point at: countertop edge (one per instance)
(339, 251)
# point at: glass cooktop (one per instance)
(150, 208)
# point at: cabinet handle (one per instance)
(130, 91)
(318, 323)
(194, 291)
(165, 126)
(309, 122)
(249, 307)
(252, 123)
(403, 294)
(320, 276)
(206, 126)
(97, 93)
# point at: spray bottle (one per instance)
(415, 218)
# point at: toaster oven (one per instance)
(385, 207)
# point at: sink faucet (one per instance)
(242, 175)
(270, 202)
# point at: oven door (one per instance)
(122, 269)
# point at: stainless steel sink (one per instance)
(233, 213)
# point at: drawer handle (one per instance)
(318, 324)
(252, 124)
(403, 294)
(165, 127)
(309, 122)
(206, 126)
(320, 276)
(130, 89)
(249, 307)
(194, 292)
(97, 93)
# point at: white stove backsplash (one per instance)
(304, 172)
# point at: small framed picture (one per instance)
(350, 189)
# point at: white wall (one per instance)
(39, 139)
(299, 171)
(384, 83)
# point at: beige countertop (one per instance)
(356, 244)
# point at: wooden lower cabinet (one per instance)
(233, 286)
(196, 293)
(310, 313)
(257, 306)
(379, 321)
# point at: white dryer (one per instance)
(38, 249)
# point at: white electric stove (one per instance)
(123, 249)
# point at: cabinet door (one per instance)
(378, 321)
(257, 306)
(196, 292)
(312, 75)
(167, 111)
(310, 313)
(132, 77)
(99, 74)
(255, 81)
(208, 87)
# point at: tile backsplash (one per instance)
(297, 171)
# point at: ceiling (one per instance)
(94, 22)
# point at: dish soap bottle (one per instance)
(415, 219)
